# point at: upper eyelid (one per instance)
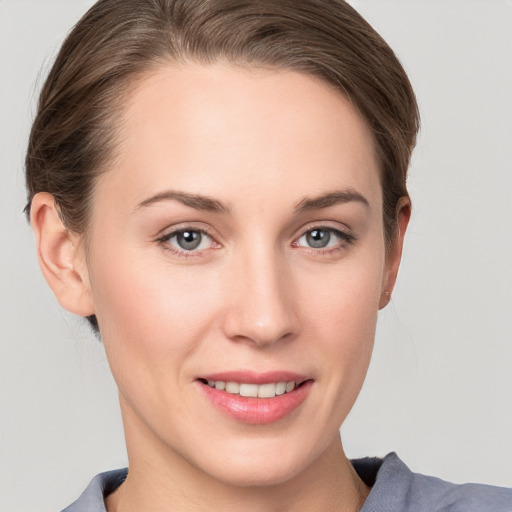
(324, 225)
(343, 235)
(169, 231)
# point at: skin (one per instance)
(254, 296)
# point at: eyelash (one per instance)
(344, 237)
(165, 239)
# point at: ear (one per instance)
(394, 252)
(61, 258)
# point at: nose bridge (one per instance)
(260, 305)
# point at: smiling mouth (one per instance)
(268, 390)
(256, 398)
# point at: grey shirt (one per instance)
(395, 488)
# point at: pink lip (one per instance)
(255, 377)
(256, 411)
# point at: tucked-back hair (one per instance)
(73, 138)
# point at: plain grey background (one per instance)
(439, 389)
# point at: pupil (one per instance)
(318, 238)
(188, 240)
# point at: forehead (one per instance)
(220, 129)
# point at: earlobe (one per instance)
(394, 255)
(61, 260)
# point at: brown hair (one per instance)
(73, 136)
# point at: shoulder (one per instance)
(92, 499)
(396, 488)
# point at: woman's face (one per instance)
(238, 238)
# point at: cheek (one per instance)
(345, 297)
(151, 315)
(342, 308)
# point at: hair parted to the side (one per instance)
(73, 137)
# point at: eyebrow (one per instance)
(209, 204)
(196, 201)
(331, 199)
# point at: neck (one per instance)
(160, 481)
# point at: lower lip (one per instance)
(257, 411)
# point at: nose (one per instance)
(260, 305)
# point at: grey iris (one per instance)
(318, 238)
(188, 240)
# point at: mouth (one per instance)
(256, 399)
(269, 390)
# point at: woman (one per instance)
(219, 187)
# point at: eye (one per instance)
(324, 238)
(187, 240)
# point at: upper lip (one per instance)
(252, 377)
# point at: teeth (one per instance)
(269, 390)
(231, 387)
(248, 389)
(280, 388)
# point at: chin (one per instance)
(258, 474)
(256, 465)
